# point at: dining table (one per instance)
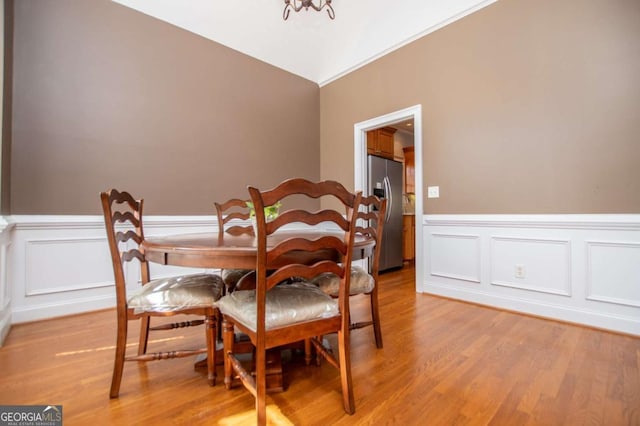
(215, 250)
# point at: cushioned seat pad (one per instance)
(232, 276)
(175, 293)
(361, 282)
(286, 304)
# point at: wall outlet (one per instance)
(433, 192)
(520, 271)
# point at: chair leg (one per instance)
(219, 327)
(144, 335)
(307, 351)
(211, 331)
(345, 372)
(318, 354)
(261, 385)
(118, 363)
(375, 317)
(228, 340)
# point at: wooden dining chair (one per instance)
(232, 217)
(276, 314)
(370, 223)
(189, 294)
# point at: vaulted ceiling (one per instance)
(309, 44)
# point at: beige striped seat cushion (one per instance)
(286, 304)
(177, 293)
(232, 276)
(361, 282)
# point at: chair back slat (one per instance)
(308, 218)
(309, 189)
(299, 270)
(127, 216)
(115, 196)
(311, 246)
(129, 255)
(236, 216)
(123, 237)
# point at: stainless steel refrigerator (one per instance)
(385, 181)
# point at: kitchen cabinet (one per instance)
(408, 237)
(409, 170)
(380, 142)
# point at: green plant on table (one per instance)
(270, 212)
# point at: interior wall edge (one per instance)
(5, 289)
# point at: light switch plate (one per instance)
(433, 192)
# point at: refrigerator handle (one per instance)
(387, 188)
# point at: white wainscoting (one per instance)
(5, 289)
(576, 268)
(60, 265)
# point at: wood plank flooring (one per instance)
(443, 363)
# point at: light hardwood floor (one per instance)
(443, 363)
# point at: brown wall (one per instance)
(529, 106)
(105, 96)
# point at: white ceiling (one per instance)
(309, 44)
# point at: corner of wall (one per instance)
(5, 293)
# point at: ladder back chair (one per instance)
(233, 216)
(193, 294)
(274, 315)
(370, 223)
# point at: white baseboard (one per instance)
(582, 269)
(592, 318)
(5, 323)
(57, 308)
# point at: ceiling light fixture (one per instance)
(298, 5)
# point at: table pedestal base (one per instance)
(275, 376)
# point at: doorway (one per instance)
(360, 169)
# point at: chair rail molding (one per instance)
(578, 268)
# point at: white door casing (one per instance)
(360, 168)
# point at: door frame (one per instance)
(360, 168)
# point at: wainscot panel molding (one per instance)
(583, 269)
(466, 267)
(60, 265)
(5, 290)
